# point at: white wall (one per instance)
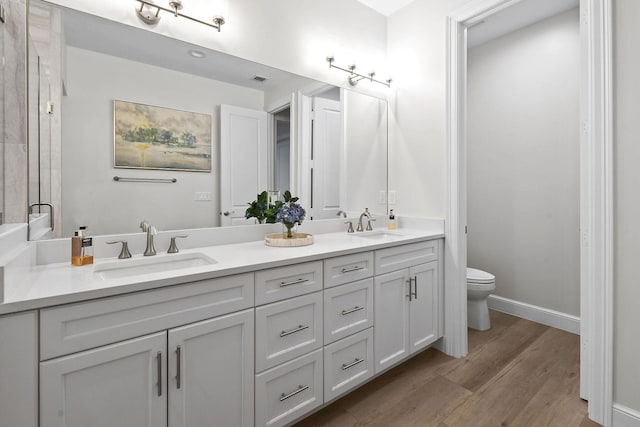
(523, 163)
(417, 57)
(94, 81)
(627, 203)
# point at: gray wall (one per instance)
(523, 163)
(627, 203)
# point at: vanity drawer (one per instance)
(75, 327)
(281, 283)
(286, 393)
(288, 329)
(347, 309)
(399, 257)
(348, 268)
(347, 363)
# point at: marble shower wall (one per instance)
(14, 179)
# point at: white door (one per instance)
(243, 161)
(326, 158)
(423, 308)
(120, 385)
(211, 372)
(391, 332)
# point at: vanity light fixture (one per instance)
(354, 77)
(151, 17)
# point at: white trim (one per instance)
(625, 417)
(596, 195)
(596, 213)
(553, 318)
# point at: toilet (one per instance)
(480, 284)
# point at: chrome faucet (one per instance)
(151, 231)
(343, 213)
(363, 214)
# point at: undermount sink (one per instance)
(160, 264)
(379, 235)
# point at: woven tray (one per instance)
(280, 240)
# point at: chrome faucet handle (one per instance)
(350, 229)
(369, 227)
(173, 248)
(124, 252)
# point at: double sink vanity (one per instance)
(243, 334)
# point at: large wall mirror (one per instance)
(182, 106)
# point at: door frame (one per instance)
(596, 194)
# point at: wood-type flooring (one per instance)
(519, 373)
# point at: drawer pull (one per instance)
(300, 389)
(346, 366)
(351, 310)
(159, 363)
(415, 287)
(350, 269)
(295, 282)
(178, 365)
(293, 331)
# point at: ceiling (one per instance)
(386, 7)
(108, 37)
(520, 15)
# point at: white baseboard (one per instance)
(625, 417)
(555, 319)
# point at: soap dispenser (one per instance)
(392, 221)
(81, 247)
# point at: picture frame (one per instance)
(160, 138)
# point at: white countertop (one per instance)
(61, 283)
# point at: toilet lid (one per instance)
(478, 276)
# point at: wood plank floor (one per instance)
(519, 373)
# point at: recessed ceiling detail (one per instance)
(386, 7)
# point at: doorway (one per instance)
(596, 185)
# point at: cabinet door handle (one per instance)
(159, 362)
(415, 287)
(293, 331)
(178, 364)
(410, 293)
(350, 269)
(295, 282)
(346, 366)
(300, 389)
(351, 310)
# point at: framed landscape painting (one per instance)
(150, 137)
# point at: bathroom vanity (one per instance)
(260, 336)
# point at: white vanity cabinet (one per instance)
(408, 302)
(123, 384)
(210, 374)
(197, 372)
(261, 348)
(19, 369)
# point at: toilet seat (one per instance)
(479, 277)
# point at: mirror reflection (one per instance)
(267, 129)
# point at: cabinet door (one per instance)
(120, 385)
(211, 372)
(391, 331)
(423, 309)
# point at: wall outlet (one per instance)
(382, 197)
(202, 196)
(393, 197)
